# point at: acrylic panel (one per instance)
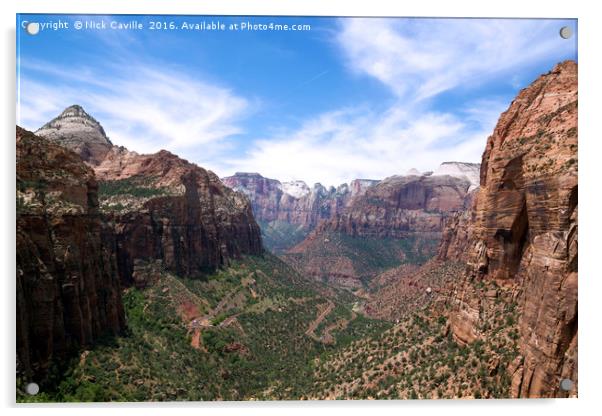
(295, 208)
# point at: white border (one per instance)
(589, 148)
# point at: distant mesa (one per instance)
(470, 171)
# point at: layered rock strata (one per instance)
(165, 208)
(161, 207)
(68, 286)
(78, 131)
(522, 233)
(294, 202)
(402, 204)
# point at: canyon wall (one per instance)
(522, 233)
(164, 211)
(402, 204)
(294, 202)
(68, 286)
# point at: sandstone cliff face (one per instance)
(402, 204)
(523, 232)
(294, 202)
(265, 194)
(164, 211)
(164, 208)
(457, 232)
(68, 289)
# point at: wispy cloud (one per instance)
(141, 107)
(420, 58)
(358, 143)
(147, 106)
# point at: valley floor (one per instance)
(258, 330)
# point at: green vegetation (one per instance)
(36, 184)
(279, 236)
(262, 353)
(259, 330)
(383, 253)
(368, 256)
(130, 193)
(134, 186)
(418, 358)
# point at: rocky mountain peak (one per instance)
(76, 130)
(359, 186)
(296, 189)
(413, 172)
(75, 110)
(464, 170)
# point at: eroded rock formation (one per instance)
(294, 202)
(78, 131)
(68, 286)
(522, 233)
(161, 207)
(165, 208)
(402, 204)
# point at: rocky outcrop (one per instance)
(523, 233)
(68, 288)
(165, 208)
(399, 205)
(294, 202)
(265, 194)
(164, 211)
(469, 171)
(358, 187)
(78, 131)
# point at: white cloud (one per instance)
(417, 59)
(148, 109)
(141, 108)
(356, 143)
(420, 58)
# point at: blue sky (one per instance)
(349, 98)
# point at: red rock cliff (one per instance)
(165, 208)
(402, 204)
(68, 290)
(165, 211)
(523, 232)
